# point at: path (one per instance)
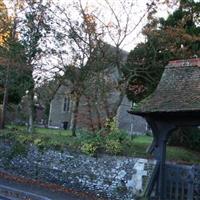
(9, 185)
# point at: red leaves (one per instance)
(136, 89)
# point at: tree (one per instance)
(13, 64)
(45, 93)
(144, 69)
(182, 28)
(33, 28)
(177, 37)
(80, 41)
(3, 34)
(121, 25)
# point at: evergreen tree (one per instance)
(13, 69)
(177, 37)
(33, 29)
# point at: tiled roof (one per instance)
(178, 90)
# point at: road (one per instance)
(10, 190)
(10, 186)
(3, 198)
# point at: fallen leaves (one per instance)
(49, 186)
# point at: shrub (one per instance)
(114, 142)
(118, 135)
(111, 124)
(42, 142)
(18, 148)
(113, 147)
(186, 137)
(89, 148)
(24, 138)
(90, 143)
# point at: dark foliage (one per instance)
(177, 37)
(187, 137)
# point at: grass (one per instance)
(182, 155)
(130, 146)
(177, 154)
(42, 137)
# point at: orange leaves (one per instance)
(90, 23)
(4, 23)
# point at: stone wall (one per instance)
(56, 113)
(133, 124)
(114, 177)
(110, 176)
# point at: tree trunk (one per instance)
(91, 123)
(5, 100)
(98, 117)
(31, 112)
(106, 107)
(74, 116)
(4, 108)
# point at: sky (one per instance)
(138, 10)
(104, 14)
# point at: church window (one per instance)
(66, 104)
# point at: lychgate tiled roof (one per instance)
(178, 90)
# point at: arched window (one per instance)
(66, 104)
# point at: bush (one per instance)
(24, 138)
(111, 124)
(18, 148)
(186, 137)
(90, 143)
(114, 142)
(89, 148)
(113, 147)
(117, 135)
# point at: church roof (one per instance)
(177, 91)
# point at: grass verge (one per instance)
(117, 143)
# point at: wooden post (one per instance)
(162, 159)
(161, 132)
